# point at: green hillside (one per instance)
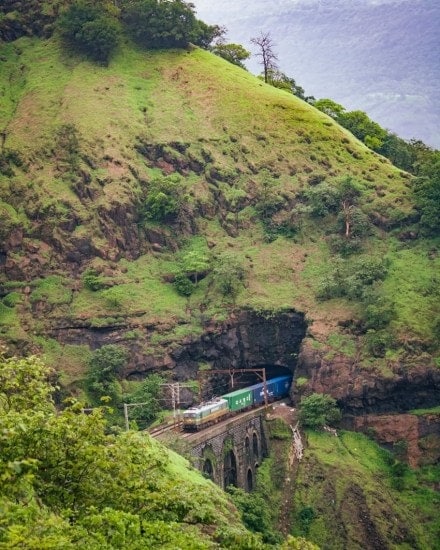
(168, 213)
(253, 168)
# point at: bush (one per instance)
(183, 285)
(164, 198)
(12, 299)
(160, 24)
(92, 280)
(148, 393)
(378, 341)
(322, 199)
(352, 279)
(317, 410)
(89, 30)
(229, 275)
(105, 366)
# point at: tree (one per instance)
(164, 198)
(105, 366)
(427, 195)
(148, 392)
(365, 129)
(229, 275)
(350, 191)
(90, 30)
(269, 200)
(280, 80)
(234, 53)
(317, 410)
(194, 263)
(357, 122)
(330, 108)
(268, 58)
(159, 24)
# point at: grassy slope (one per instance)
(244, 125)
(349, 484)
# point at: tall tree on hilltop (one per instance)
(268, 57)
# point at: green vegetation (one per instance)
(90, 30)
(349, 486)
(105, 367)
(148, 393)
(234, 53)
(166, 24)
(66, 483)
(318, 410)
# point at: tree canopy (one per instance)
(91, 30)
(158, 24)
(65, 483)
(317, 410)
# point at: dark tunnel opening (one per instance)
(219, 384)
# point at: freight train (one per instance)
(209, 413)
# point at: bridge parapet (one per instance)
(231, 451)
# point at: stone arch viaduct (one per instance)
(231, 452)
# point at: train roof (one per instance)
(206, 406)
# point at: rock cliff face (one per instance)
(360, 391)
(417, 436)
(248, 339)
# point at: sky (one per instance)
(379, 56)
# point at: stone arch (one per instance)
(230, 469)
(208, 469)
(247, 449)
(209, 463)
(255, 445)
(249, 480)
(230, 463)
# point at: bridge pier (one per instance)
(231, 452)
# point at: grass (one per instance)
(52, 290)
(74, 358)
(422, 412)
(233, 125)
(348, 482)
(413, 284)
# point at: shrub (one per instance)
(105, 366)
(166, 24)
(90, 30)
(378, 341)
(12, 299)
(147, 393)
(229, 275)
(92, 280)
(183, 285)
(164, 198)
(317, 410)
(351, 279)
(322, 199)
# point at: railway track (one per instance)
(164, 428)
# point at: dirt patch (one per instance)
(288, 415)
(355, 511)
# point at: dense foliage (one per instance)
(105, 367)
(90, 29)
(234, 53)
(317, 410)
(66, 484)
(161, 24)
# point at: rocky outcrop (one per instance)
(415, 438)
(247, 339)
(360, 391)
